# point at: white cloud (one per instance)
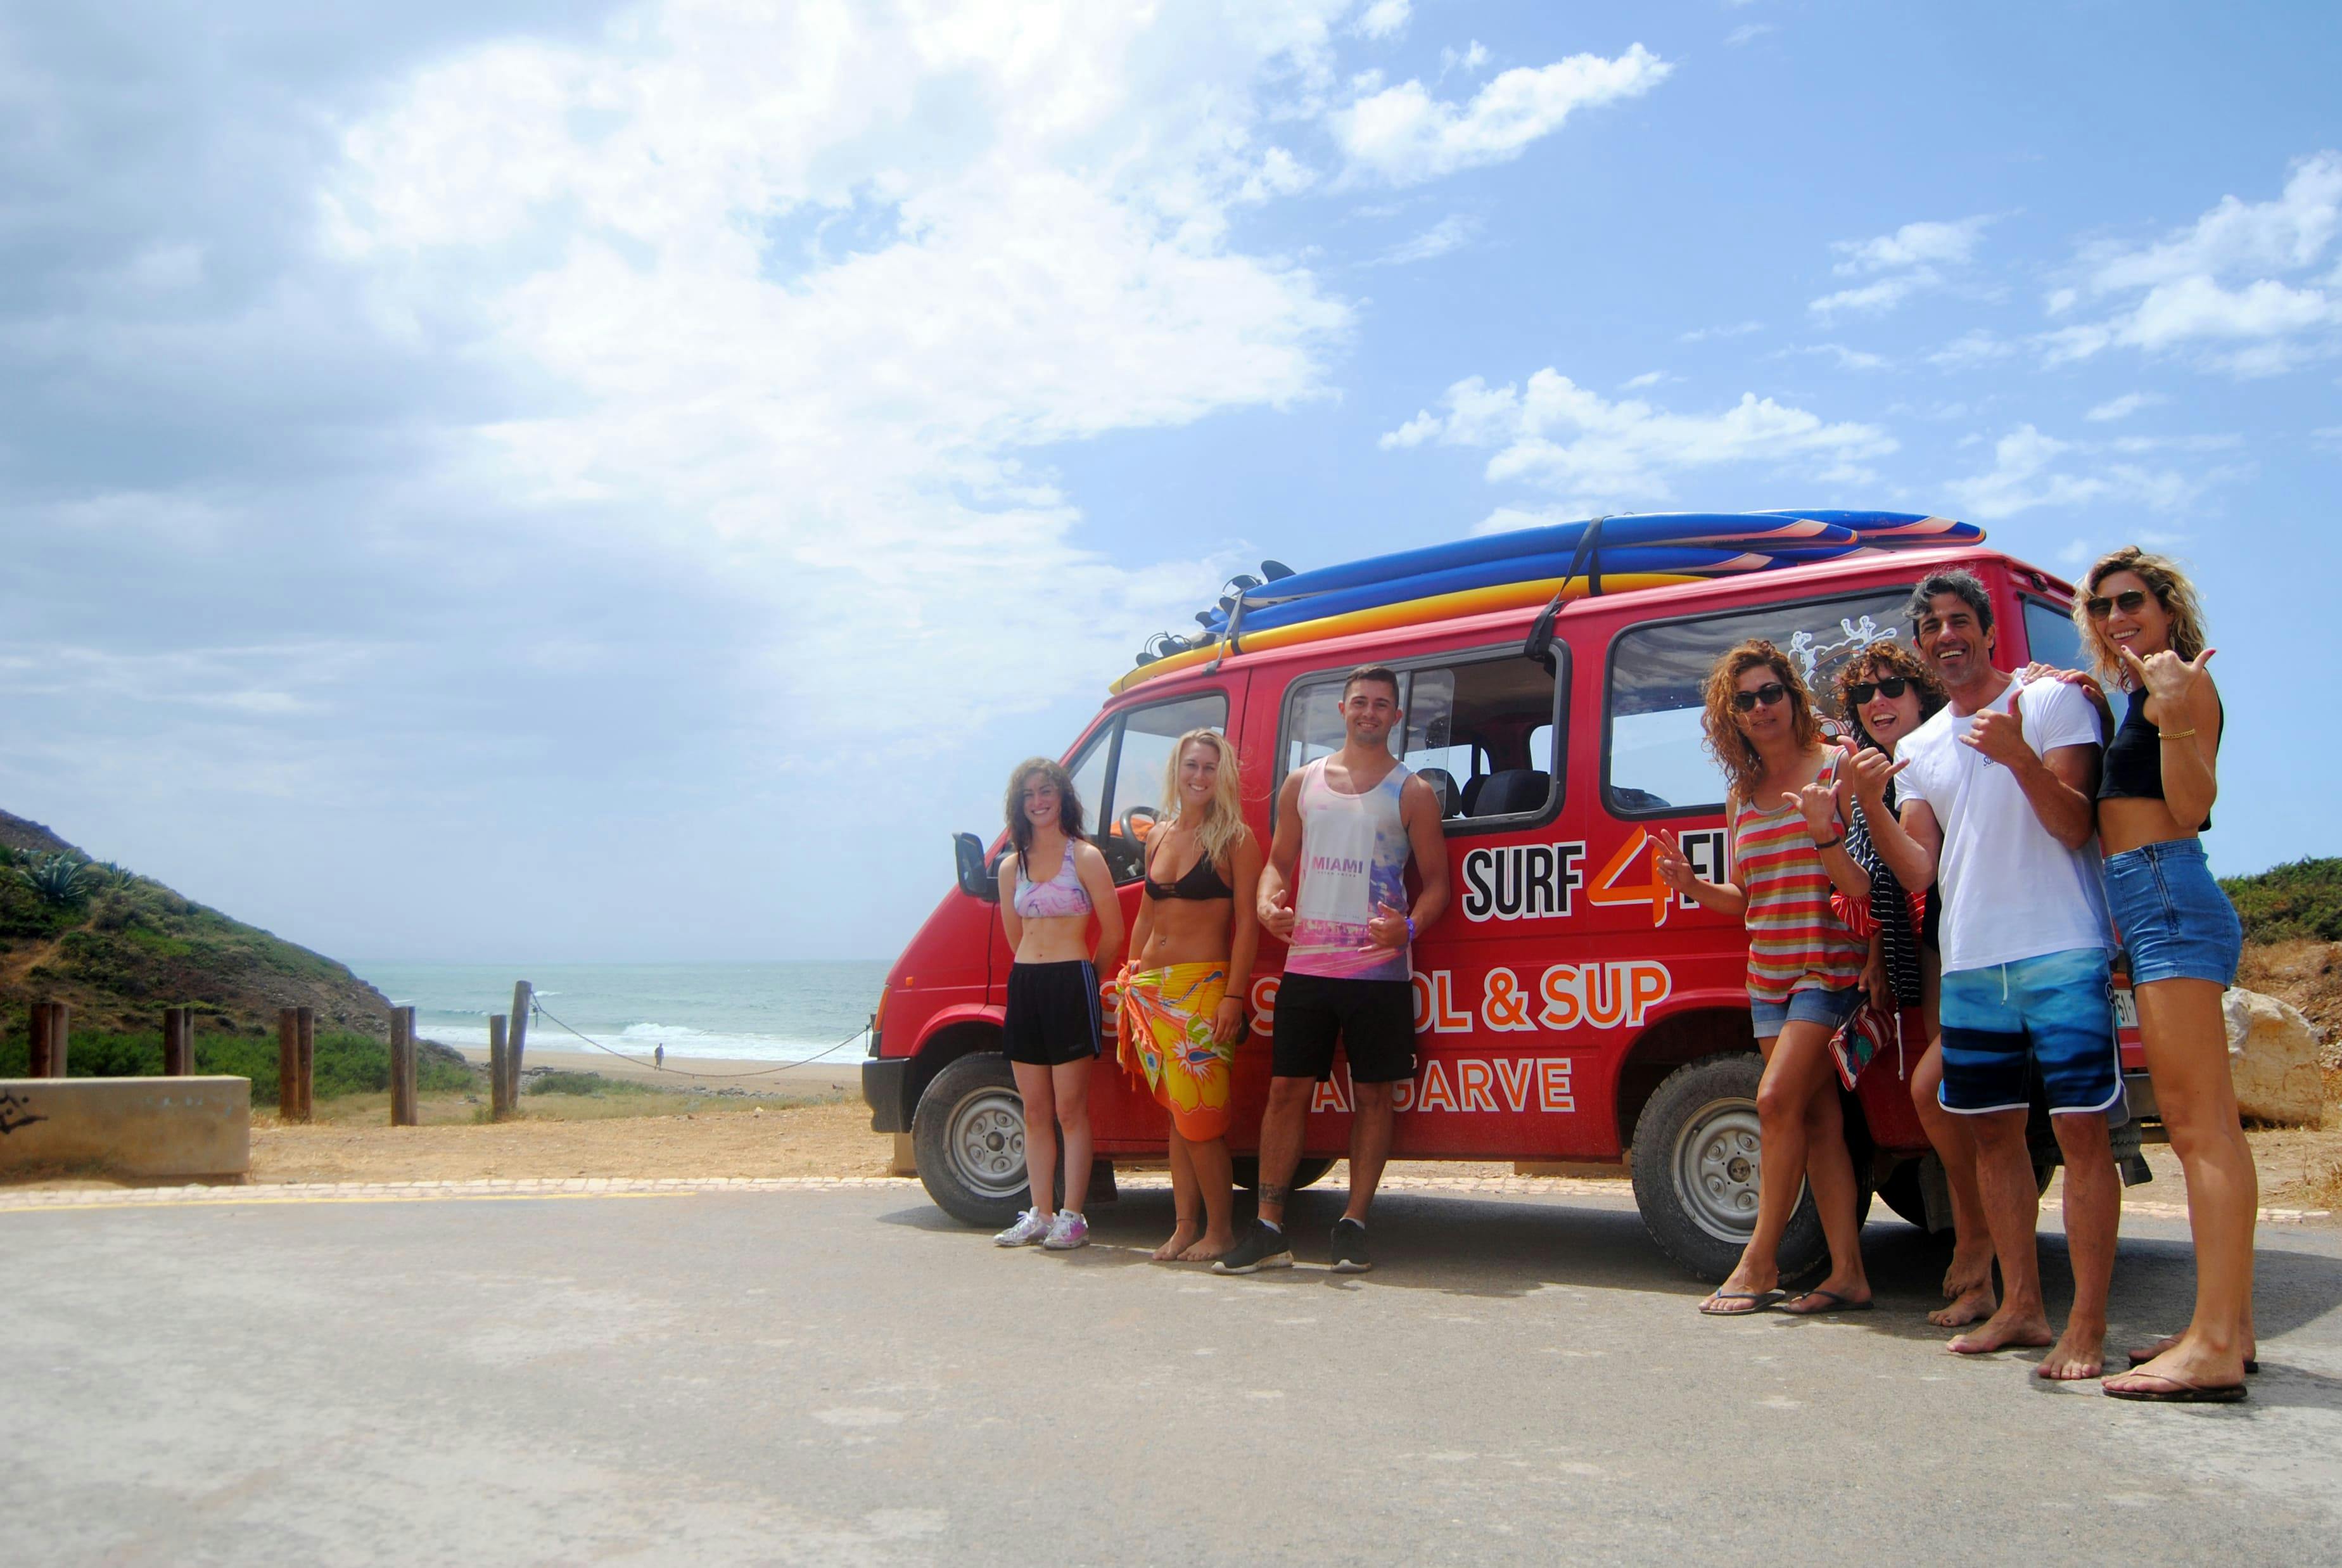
(1602, 455)
(2030, 469)
(1973, 347)
(849, 434)
(1401, 135)
(2215, 289)
(1913, 257)
(2123, 407)
(1845, 358)
(1748, 33)
(1384, 18)
(1469, 60)
(1450, 232)
(1737, 329)
(1648, 378)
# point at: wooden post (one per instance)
(304, 1078)
(414, 1055)
(289, 1063)
(401, 1060)
(36, 1041)
(178, 1044)
(51, 1023)
(516, 1038)
(499, 1080)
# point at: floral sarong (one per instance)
(1167, 1038)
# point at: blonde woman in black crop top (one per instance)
(2138, 616)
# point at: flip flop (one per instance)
(2178, 1392)
(1764, 1299)
(1837, 1303)
(2141, 1357)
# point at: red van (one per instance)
(1568, 1008)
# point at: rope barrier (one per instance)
(539, 1009)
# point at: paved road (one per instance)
(846, 1377)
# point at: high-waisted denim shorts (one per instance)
(2174, 920)
(1807, 1004)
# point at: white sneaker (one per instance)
(1030, 1227)
(1068, 1231)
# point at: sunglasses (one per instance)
(2130, 601)
(1889, 687)
(1765, 695)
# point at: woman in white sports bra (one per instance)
(1053, 883)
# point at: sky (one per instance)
(573, 482)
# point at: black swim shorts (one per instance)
(1053, 1013)
(1373, 1021)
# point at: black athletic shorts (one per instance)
(1053, 1013)
(1374, 1019)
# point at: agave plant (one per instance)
(58, 879)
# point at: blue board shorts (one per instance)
(2054, 1011)
(2175, 923)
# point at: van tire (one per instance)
(1245, 1169)
(1702, 1122)
(1901, 1193)
(969, 1135)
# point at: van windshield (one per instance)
(1654, 756)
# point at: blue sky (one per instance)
(532, 483)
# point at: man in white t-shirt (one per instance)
(1997, 796)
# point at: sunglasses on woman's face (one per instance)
(1765, 695)
(2130, 601)
(1890, 687)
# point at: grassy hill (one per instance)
(2300, 901)
(119, 947)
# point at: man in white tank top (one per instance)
(1335, 887)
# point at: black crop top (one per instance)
(1201, 881)
(2133, 769)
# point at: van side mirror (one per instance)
(968, 851)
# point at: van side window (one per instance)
(1654, 758)
(1480, 731)
(1127, 812)
(2051, 636)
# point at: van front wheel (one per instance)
(1695, 1159)
(969, 1135)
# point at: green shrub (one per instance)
(2299, 901)
(59, 881)
(344, 1063)
(585, 1084)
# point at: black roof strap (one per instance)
(1586, 562)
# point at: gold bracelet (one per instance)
(2175, 735)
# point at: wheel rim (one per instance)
(1715, 1169)
(986, 1140)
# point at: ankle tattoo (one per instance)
(1272, 1193)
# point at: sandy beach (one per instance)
(841, 1074)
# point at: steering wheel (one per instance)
(1137, 822)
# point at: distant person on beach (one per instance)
(1051, 1034)
(1183, 994)
(1998, 794)
(658, 1056)
(2140, 618)
(1886, 692)
(1784, 822)
(1336, 888)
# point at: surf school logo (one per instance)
(1522, 881)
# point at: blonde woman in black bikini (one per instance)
(1183, 993)
(1051, 884)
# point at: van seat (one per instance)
(1451, 799)
(1508, 791)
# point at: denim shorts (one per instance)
(2053, 1012)
(2174, 921)
(1807, 1004)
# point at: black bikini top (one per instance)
(2133, 769)
(1203, 882)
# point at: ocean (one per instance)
(734, 1012)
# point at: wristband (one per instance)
(1832, 844)
(1410, 928)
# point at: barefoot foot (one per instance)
(2003, 1330)
(1183, 1236)
(1212, 1244)
(1970, 1270)
(2080, 1351)
(1975, 1305)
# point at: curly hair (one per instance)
(2172, 590)
(1732, 749)
(1889, 658)
(1069, 806)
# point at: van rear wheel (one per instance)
(1246, 1168)
(1695, 1159)
(969, 1133)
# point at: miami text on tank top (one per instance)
(1354, 853)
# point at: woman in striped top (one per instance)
(1785, 809)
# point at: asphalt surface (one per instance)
(848, 1377)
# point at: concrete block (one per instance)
(2273, 1061)
(129, 1126)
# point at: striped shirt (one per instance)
(1796, 941)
